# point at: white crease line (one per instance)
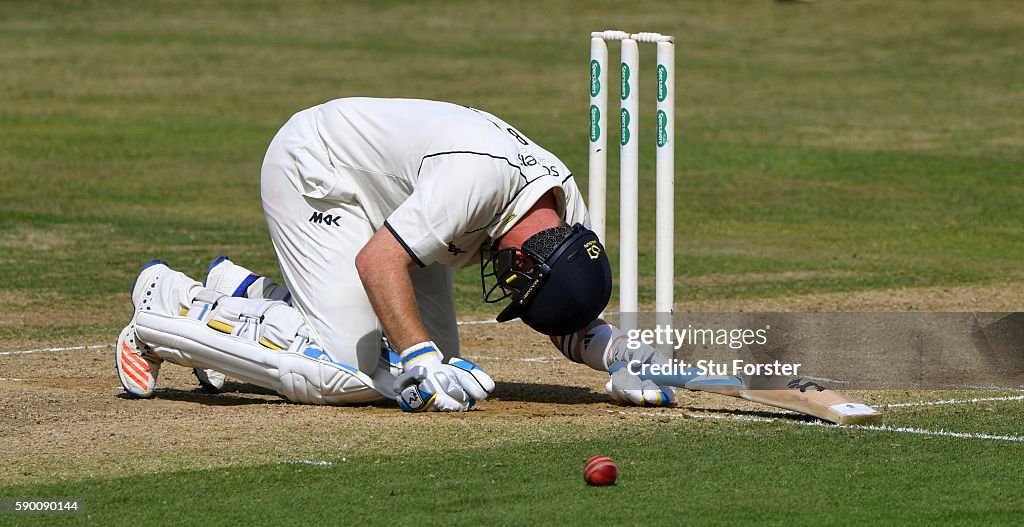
(919, 431)
(12, 379)
(875, 428)
(315, 462)
(957, 401)
(43, 350)
(476, 322)
(826, 379)
(982, 387)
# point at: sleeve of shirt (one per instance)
(456, 193)
(575, 208)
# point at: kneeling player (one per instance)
(370, 203)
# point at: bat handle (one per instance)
(678, 377)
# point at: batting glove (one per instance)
(477, 384)
(428, 384)
(626, 388)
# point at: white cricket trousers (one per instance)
(317, 236)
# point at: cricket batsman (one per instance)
(370, 203)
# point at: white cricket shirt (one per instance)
(447, 180)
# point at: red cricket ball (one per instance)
(600, 470)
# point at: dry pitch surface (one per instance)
(63, 414)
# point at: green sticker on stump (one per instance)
(625, 81)
(624, 133)
(662, 82)
(662, 128)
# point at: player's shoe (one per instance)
(137, 366)
(212, 381)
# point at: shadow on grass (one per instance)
(530, 392)
(213, 399)
(238, 394)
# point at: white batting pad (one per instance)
(246, 339)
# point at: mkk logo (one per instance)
(327, 219)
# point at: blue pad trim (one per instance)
(240, 290)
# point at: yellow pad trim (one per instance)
(267, 344)
(220, 326)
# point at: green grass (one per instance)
(834, 147)
(875, 142)
(671, 473)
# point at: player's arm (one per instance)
(383, 267)
(599, 345)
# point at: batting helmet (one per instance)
(559, 281)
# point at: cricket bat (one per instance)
(792, 393)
